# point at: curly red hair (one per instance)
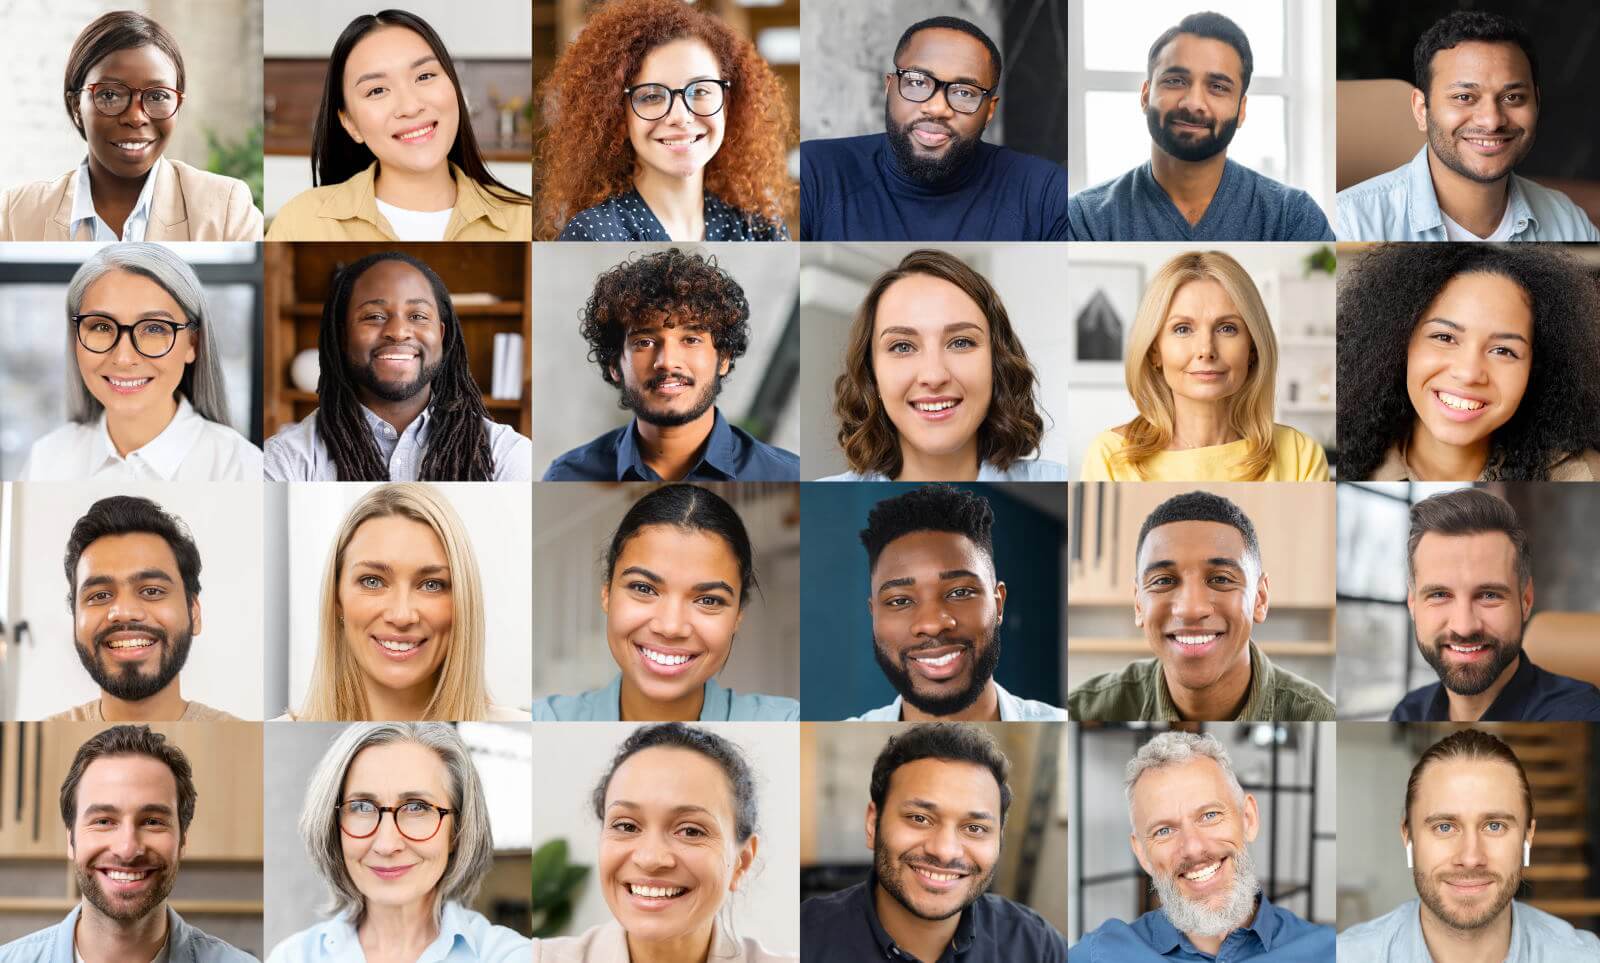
(584, 153)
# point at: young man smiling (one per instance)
(1200, 589)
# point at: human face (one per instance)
(1481, 111)
(125, 843)
(1194, 100)
(394, 333)
(396, 603)
(399, 101)
(672, 607)
(936, 611)
(131, 623)
(1469, 359)
(936, 842)
(1197, 599)
(1466, 827)
(682, 143)
(933, 364)
(930, 140)
(128, 144)
(127, 383)
(1204, 350)
(386, 867)
(662, 362)
(1190, 831)
(1467, 608)
(669, 848)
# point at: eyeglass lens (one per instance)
(113, 99)
(416, 820)
(654, 101)
(150, 338)
(919, 87)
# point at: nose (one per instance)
(652, 854)
(1488, 114)
(1193, 100)
(666, 355)
(671, 621)
(1192, 846)
(1464, 619)
(1467, 367)
(1206, 346)
(400, 610)
(397, 328)
(944, 843)
(123, 353)
(1192, 602)
(933, 372)
(387, 839)
(1470, 850)
(135, 116)
(678, 112)
(933, 621)
(406, 101)
(127, 846)
(128, 607)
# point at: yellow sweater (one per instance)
(349, 212)
(1295, 457)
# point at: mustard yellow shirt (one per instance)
(1295, 457)
(349, 212)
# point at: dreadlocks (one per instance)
(458, 442)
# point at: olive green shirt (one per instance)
(1139, 693)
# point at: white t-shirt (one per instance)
(416, 225)
(190, 448)
(1456, 232)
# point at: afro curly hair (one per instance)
(930, 508)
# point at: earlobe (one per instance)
(350, 127)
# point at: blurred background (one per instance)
(573, 522)
(38, 360)
(1288, 766)
(834, 278)
(840, 677)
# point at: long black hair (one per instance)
(1381, 300)
(458, 442)
(694, 509)
(335, 157)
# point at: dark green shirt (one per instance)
(1139, 693)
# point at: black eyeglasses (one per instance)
(113, 99)
(151, 337)
(920, 86)
(416, 820)
(654, 101)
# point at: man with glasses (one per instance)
(929, 176)
(1193, 98)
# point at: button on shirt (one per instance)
(84, 223)
(731, 454)
(1403, 206)
(190, 448)
(1532, 695)
(1536, 937)
(1274, 936)
(1012, 709)
(297, 454)
(844, 926)
(464, 936)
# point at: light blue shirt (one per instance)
(1274, 936)
(185, 944)
(85, 217)
(295, 453)
(1402, 206)
(721, 705)
(1536, 937)
(464, 936)
(1012, 709)
(1028, 469)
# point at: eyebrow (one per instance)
(1217, 561)
(712, 586)
(388, 569)
(1435, 587)
(929, 804)
(957, 80)
(1454, 818)
(675, 810)
(1498, 335)
(142, 315)
(1186, 72)
(1220, 317)
(385, 302)
(903, 330)
(162, 808)
(380, 74)
(1472, 85)
(641, 570)
(423, 794)
(143, 575)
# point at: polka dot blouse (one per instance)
(627, 217)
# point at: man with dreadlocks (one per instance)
(666, 328)
(396, 399)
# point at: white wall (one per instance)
(1373, 878)
(488, 28)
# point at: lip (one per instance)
(943, 414)
(1487, 146)
(929, 137)
(653, 904)
(679, 145)
(1185, 125)
(673, 387)
(938, 673)
(417, 134)
(1457, 414)
(130, 386)
(1482, 653)
(1211, 882)
(142, 148)
(1470, 889)
(1207, 375)
(391, 872)
(1193, 649)
(667, 671)
(399, 656)
(936, 885)
(125, 887)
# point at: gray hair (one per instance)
(202, 380)
(1173, 748)
(473, 854)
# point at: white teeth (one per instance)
(1458, 403)
(655, 892)
(661, 658)
(1200, 875)
(678, 141)
(126, 877)
(934, 405)
(129, 383)
(945, 659)
(396, 357)
(413, 135)
(1466, 648)
(138, 643)
(134, 144)
(1194, 639)
(939, 877)
(398, 646)
(1485, 143)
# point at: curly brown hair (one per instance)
(584, 156)
(1012, 427)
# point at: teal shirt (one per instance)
(721, 705)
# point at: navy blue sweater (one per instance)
(851, 189)
(1246, 207)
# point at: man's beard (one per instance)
(889, 870)
(923, 169)
(635, 401)
(1191, 150)
(1442, 143)
(1472, 678)
(368, 378)
(985, 655)
(1199, 918)
(129, 684)
(1429, 890)
(89, 884)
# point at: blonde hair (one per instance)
(336, 693)
(1250, 411)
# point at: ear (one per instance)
(1411, 603)
(1419, 108)
(605, 599)
(1252, 819)
(1244, 101)
(742, 863)
(1138, 610)
(1527, 598)
(1259, 613)
(350, 127)
(722, 368)
(989, 108)
(615, 373)
(1144, 96)
(194, 615)
(1138, 854)
(888, 84)
(194, 339)
(872, 825)
(999, 602)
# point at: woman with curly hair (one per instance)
(1202, 368)
(662, 124)
(936, 386)
(1461, 362)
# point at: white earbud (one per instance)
(1527, 853)
(1408, 857)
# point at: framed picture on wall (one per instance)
(1101, 300)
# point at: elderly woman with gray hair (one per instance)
(396, 824)
(148, 403)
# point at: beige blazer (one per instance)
(608, 943)
(188, 204)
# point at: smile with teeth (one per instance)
(1466, 648)
(945, 659)
(1486, 142)
(937, 876)
(417, 134)
(398, 645)
(126, 875)
(1457, 402)
(397, 356)
(656, 892)
(137, 642)
(681, 141)
(129, 382)
(1194, 639)
(663, 658)
(133, 144)
(1204, 873)
(935, 405)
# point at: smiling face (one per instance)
(394, 334)
(670, 371)
(395, 599)
(1470, 357)
(1466, 825)
(1467, 608)
(1194, 100)
(936, 842)
(1481, 111)
(387, 868)
(131, 623)
(399, 102)
(1197, 599)
(930, 140)
(128, 144)
(126, 382)
(669, 852)
(672, 607)
(1204, 349)
(125, 844)
(681, 143)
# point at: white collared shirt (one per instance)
(84, 214)
(190, 448)
(1012, 709)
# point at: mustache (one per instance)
(1470, 879)
(1191, 865)
(157, 631)
(390, 346)
(928, 862)
(937, 642)
(1185, 117)
(657, 381)
(1448, 637)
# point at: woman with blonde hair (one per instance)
(401, 627)
(1202, 367)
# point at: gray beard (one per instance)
(1197, 918)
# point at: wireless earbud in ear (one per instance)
(1527, 853)
(1408, 857)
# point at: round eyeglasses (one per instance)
(151, 337)
(654, 101)
(416, 820)
(112, 99)
(919, 87)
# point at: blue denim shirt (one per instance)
(185, 944)
(465, 936)
(731, 454)
(1402, 206)
(1536, 937)
(1276, 935)
(721, 705)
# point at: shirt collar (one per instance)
(1423, 209)
(966, 930)
(83, 206)
(166, 451)
(717, 706)
(376, 424)
(455, 924)
(357, 198)
(1164, 937)
(1010, 706)
(721, 452)
(1256, 704)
